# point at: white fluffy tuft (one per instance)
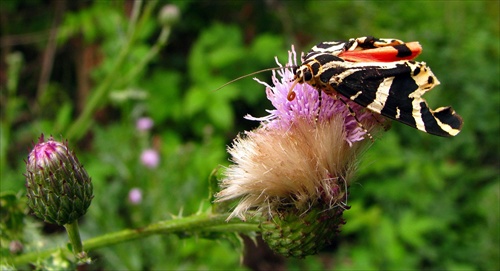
(299, 167)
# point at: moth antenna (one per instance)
(250, 74)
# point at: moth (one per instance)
(380, 75)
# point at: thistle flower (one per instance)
(150, 158)
(59, 189)
(295, 169)
(144, 124)
(135, 196)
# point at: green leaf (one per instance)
(195, 101)
(221, 114)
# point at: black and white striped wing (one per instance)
(394, 90)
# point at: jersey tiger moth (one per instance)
(379, 74)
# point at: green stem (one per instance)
(74, 237)
(152, 53)
(136, 10)
(84, 120)
(186, 225)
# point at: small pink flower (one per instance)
(150, 158)
(144, 124)
(135, 196)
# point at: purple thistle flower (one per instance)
(150, 158)
(307, 105)
(144, 124)
(135, 196)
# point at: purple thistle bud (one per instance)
(59, 189)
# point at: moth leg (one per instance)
(319, 107)
(385, 123)
(353, 114)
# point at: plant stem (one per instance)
(74, 237)
(98, 97)
(152, 53)
(199, 223)
(136, 10)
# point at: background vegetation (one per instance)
(419, 201)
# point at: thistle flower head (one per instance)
(295, 169)
(150, 158)
(303, 154)
(144, 124)
(135, 196)
(59, 189)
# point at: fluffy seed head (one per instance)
(299, 167)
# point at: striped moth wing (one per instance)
(376, 74)
(368, 49)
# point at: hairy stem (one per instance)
(199, 223)
(74, 237)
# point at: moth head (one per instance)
(303, 73)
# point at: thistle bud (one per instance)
(169, 15)
(59, 189)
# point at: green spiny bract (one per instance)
(298, 235)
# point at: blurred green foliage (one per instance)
(419, 202)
